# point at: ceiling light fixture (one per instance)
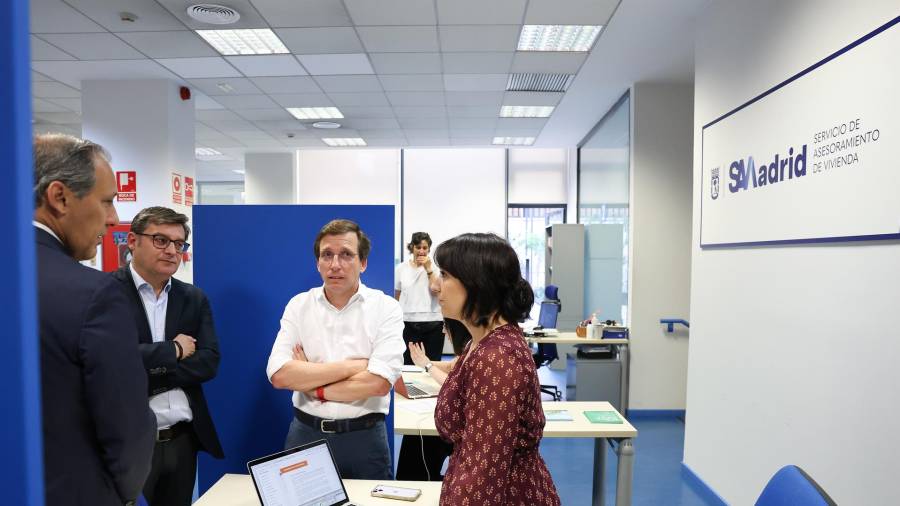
(514, 141)
(529, 81)
(327, 125)
(237, 171)
(213, 14)
(558, 37)
(344, 141)
(244, 42)
(225, 87)
(526, 111)
(315, 112)
(206, 152)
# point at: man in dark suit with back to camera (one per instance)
(180, 351)
(98, 429)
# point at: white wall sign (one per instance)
(812, 159)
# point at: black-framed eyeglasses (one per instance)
(344, 257)
(162, 242)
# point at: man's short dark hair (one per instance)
(417, 238)
(340, 227)
(67, 159)
(488, 269)
(159, 216)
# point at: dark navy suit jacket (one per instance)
(188, 312)
(99, 430)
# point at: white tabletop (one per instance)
(412, 417)
(237, 490)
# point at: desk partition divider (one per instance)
(250, 261)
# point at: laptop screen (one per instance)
(301, 476)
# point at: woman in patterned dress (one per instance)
(489, 407)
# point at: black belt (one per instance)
(329, 426)
(163, 435)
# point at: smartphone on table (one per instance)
(391, 492)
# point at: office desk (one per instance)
(620, 344)
(237, 490)
(410, 420)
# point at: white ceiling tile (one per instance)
(171, 44)
(391, 12)
(500, 38)
(412, 82)
(237, 86)
(281, 13)
(54, 16)
(280, 126)
(50, 128)
(336, 64)
(58, 117)
(40, 105)
(367, 112)
(323, 40)
(472, 132)
(262, 143)
(371, 123)
(424, 123)
(254, 134)
(349, 84)
(479, 12)
(52, 89)
(358, 99)
(250, 18)
(547, 62)
(43, 50)
(521, 123)
(399, 39)
(570, 12)
(474, 98)
(472, 111)
(202, 101)
(517, 132)
(291, 84)
(309, 142)
(264, 114)
(149, 16)
(246, 101)
(438, 111)
(426, 98)
(406, 63)
(475, 82)
(93, 46)
(232, 126)
(427, 133)
(472, 141)
(392, 142)
(267, 65)
(210, 116)
(477, 63)
(473, 123)
(71, 104)
(302, 99)
(190, 68)
(73, 72)
(532, 98)
(225, 143)
(382, 133)
(37, 76)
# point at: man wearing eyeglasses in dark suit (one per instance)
(179, 348)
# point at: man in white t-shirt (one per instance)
(340, 348)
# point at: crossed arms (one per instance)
(346, 380)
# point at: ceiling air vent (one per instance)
(213, 14)
(538, 82)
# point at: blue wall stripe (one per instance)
(700, 487)
(21, 474)
(654, 413)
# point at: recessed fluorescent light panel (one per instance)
(238, 42)
(558, 37)
(514, 141)
(526, 111)
(206, 152)
(343, 141)
(315, 112)
(529, 81)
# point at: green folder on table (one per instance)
(557, 415)
(603, 417)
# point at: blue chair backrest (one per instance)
(548, 314)
(551, 292)
(791, 486)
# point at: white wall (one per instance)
(269, 178)
(538, 176)
(794, 350)
(661, 172)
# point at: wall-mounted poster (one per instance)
(188, 191)
(115, 247)
(812, 159)
(126, 185)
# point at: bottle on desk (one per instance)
(596, 332)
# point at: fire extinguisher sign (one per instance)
(177, 188)
(126, 185)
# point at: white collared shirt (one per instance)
(47, 229)
(171, 406)
(370, 326)
(416, 299)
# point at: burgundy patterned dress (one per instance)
(490, 409)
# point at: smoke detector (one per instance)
(213, 14)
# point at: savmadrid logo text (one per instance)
(745, 175)
(714, 184)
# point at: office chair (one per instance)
(547, 353)
(791, 486)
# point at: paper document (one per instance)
(557, 415)
(411, 368)
(420, 406)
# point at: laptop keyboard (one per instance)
(415, 391)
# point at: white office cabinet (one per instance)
(565, 269)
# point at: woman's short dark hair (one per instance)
(418, 237)
(488, 269)
(459, 335)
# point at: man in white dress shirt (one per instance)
(340, 348)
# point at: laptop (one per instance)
(415, 389)
(302, 476)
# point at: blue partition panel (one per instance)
(21, 474)
(250, 261)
